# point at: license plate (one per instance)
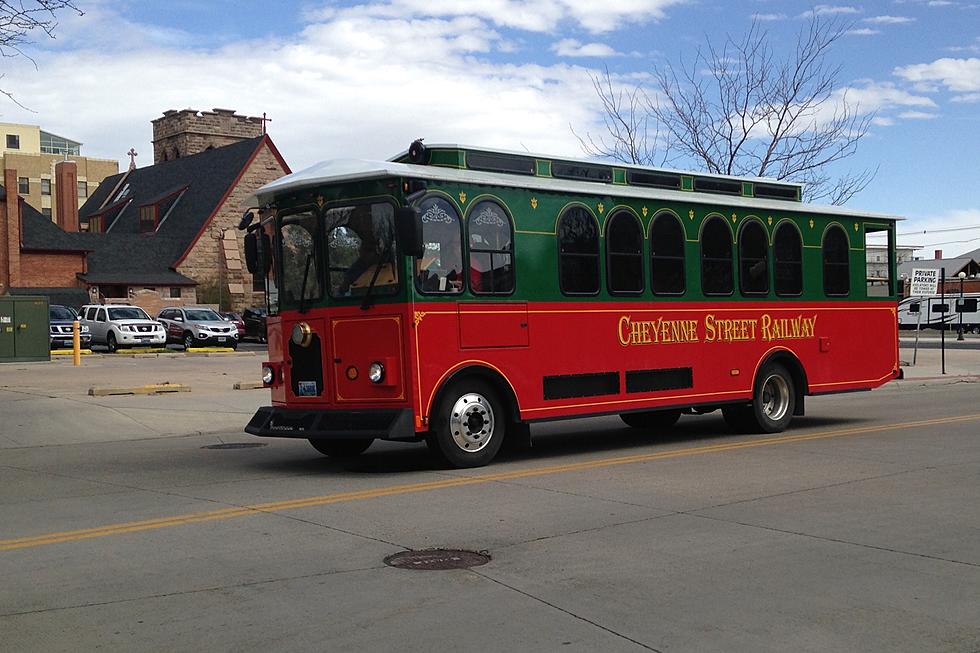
(145, 338)
(221, 338)
(306, 389)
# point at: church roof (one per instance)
(188, 190)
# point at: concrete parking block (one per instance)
(69, 352)
(248, 385)
(150, 389)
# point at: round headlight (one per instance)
(267, 375)
(302, 334)
(376, 372)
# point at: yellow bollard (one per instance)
(76, 345)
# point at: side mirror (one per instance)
(408, 230)
(258, 249)
(246, 220)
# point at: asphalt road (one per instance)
(856, 530)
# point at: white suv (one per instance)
(119, 325)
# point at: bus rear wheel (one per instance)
(468, 426)
(341, 448)
(773, 403)
(654, 419)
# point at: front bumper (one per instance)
(65, 342)
(130, 338)
(313, 424)
(216, 340)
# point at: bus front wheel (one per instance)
(469, 424)
(773, 403)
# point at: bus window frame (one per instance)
(465, 219)
(396, 258)
(823, 259)
(717, 217)
(667, 214)
(598, 253)
(767, 250)
(280, 218)
(775, 261)
(464, 260)
(641, 255)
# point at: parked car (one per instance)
(60, 319)
(120, 325)
(235, 319)
(254, 319)
(198, 326)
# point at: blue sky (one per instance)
(363, 79)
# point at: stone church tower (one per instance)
(183, 133)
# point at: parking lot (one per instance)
(142, 522)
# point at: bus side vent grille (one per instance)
(674, 378)
(498, 163)
(720, 186)
(771, 192)
(566, 386)
(654, 179)
(580, 171)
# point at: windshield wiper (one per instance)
(302, 290)
(366, 302)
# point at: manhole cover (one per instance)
(234, 445)
(437, 559)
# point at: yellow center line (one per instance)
(460, 481)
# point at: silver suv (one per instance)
(120, 325)
(198, 326)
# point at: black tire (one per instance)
(342, 448)
(188, 340)
(773, 402)
(468, 425)
(654, 419)
(110, 343)
(234, 345)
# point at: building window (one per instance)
(175, 292)
(578, 252)
(95, 224)
(46, 213)
(753, 259)
(491, 244)
(83, 189)
(836, 255)
(148, 219)
(624, 254)
(788, 252)
(667, 255)
(23, 185)
(13, 142)
(716, 257)
(45, 186)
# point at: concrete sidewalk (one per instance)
(960, 363)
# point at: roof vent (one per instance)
(719, 186)
(499, 163)
(581, 171)
(654, 179)
(772, 192)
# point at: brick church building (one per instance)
(155, 236)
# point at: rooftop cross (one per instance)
(132, 158)
(265, 120)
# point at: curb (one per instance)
(151, 389)
(69, 352)
(248, 385)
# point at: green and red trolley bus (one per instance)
(456, 295)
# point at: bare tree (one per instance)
(742, 111)
(20, 18)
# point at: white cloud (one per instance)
(830, 10)
(968, 97)
(351, 85)
(923, 232)
(917, 115)
(959, 75)
(572, 48)
(888, 20)
(863, 31)
(768, 17)
(528, 15)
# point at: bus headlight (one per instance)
(302, 334)
(376, 373)
(268, 374)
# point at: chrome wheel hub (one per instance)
(471, 422)
(775, 397)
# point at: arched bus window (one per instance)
(716, 257)
(667, 255)
(788, 254)
(753, 259)
(578, 252)
(440, 270)
(624, 254)
(836, 271)
(491, 242)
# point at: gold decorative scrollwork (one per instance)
(534, 202)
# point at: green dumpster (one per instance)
(24, 329)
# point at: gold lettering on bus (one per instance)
(716, 329)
